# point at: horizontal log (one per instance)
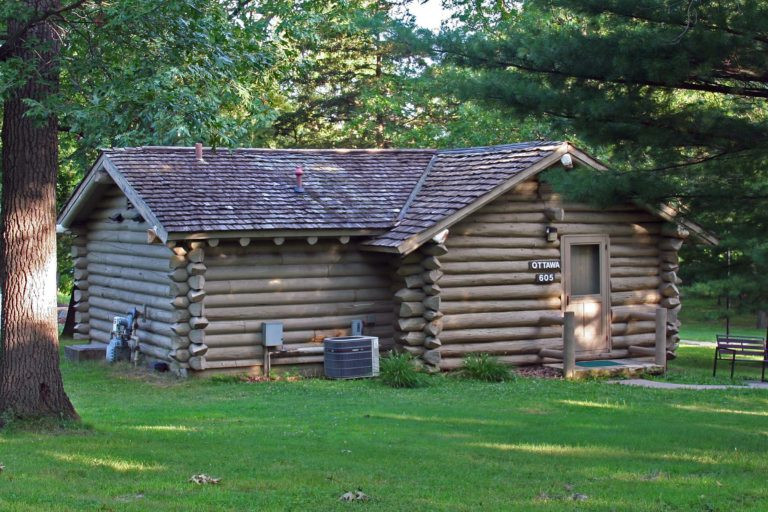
(131, 249)
(633, 339)
(642, 351)
(625, 284)
(621, 314)
(134, 298)
(499, 334)
(612, 217)
(125, 226)
(431, 314)
(500, 242)
(230, 353)
(196, 269)
(265, 254)
(284, 311)
(197, 336)
(130, 273)
(119, 307)
(104, 320)
(276, 271)
(123, 260)
(307, 284)
(669, 302)
(138, 236)
(641, 261)
(501, 292)
(432, 276)
(164, 289)
(492, 254)
(290, 338)
(196, 295)
(458, 280)
(181, 355)
(633, 327)
(295, 324)
(635, 297)
(452, 269)
(634, 271)
(277, 361)
(432, 289)
(563, 228)
(502, 319)
(481, 217)
(154, 351)
(363, 295)
(488, 306)
(629, 251)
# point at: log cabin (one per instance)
(441, 253)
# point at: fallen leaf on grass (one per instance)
(357, 495)
(203, 479)
(2, 467)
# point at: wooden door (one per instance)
(586, 290)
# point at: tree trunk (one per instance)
(30, 380)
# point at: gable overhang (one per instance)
(663, 211)
(97, 180)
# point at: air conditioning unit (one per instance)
(351, 357)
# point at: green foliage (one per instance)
(484, 367)
(671, 94)
(399, 371)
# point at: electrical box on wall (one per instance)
(272, 334)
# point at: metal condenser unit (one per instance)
(351, 357)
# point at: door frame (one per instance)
(605, 282)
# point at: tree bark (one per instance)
(30, 379)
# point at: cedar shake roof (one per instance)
(392, 194)
(253, 189)
(457, 178)
(400, 197)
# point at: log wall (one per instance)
(116, 270)
(491, 304)
(316, 291)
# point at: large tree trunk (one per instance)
(30, 380)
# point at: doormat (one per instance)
(597, 364)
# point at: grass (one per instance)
(456, 445)
(700, 321)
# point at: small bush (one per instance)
(485, 367)
(398, 371)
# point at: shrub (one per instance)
(485, 367)
(399, 371)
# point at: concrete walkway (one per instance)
(644, 383)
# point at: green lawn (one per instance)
(456, 445)
(700, 321)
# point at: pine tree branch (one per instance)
(13, 39)
(692, 85)
(715, 28)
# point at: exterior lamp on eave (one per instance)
(551, 232)
(567, 161)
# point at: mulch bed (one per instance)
(539, 372)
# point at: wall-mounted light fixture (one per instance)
(567, 161)
(551, 232)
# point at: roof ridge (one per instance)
(517, 145)
(281, 150)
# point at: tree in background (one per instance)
(127, 72)
(672, 93)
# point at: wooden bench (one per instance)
(742, 347)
